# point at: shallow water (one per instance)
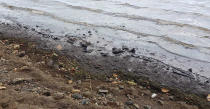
(176, 32)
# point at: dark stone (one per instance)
(47, 93)
(17, 81)
(117, 50)
(129, 102)
(104, 54)
(85, 101)
(32, 29)
(190, 70)
(125, 48)
(133, 50)
(56, 38)
(103, 91)
(84, 44)
(76, 96)
(22, 54)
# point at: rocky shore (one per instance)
(35, 79)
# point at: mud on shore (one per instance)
(57, 64)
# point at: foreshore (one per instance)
(55, 71)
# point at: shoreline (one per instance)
(145, 71)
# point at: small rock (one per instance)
(147, 107)
(75, 91)
(171, 97)
(141, 87)
(2, 87)
(87, 94)
(131, 83)
(70, 81)
(16, 46)
(208, 97)
(104, 54)
(133, 50)
(79, 82)
(154, 95)
(47, 93)
(22, 54)
(25, 68)
(76, 96)
(160, 102)
(136, 106)
(125, 48)
(19, 81)
(58, 96)
(109, 96)
(117, 51)
(104, 102)
(121, 87)
(129, 102)
(59, 47)
(164, 90)
(84, 44)
(85, 101)
(190, 70)
(103, 91)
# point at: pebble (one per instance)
(154, 95)
(85, 101)
(121, 87)
(136, 106)
(2, 87)
(19, 81)
(47, 93)
(58, 96)
(87, 94)
(171, 97)
(25, 68)
(16, 46)
(125, 48)
(104, 54)
(129, 102)
(75, 91)
(59, 47)
(147, 107)
(76, 96)
(160, 102)
(133, 50)
(117, 51)
(103, 91)
(208, 97)
(109, 96)
(70, 81)
(79, 82)
(190, 70)
(22, 54)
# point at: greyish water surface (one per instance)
(176, 32)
